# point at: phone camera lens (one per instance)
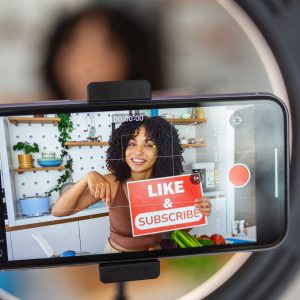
(235, 120)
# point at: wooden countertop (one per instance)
(56, 221)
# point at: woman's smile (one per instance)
(138, 161)
(141, 153)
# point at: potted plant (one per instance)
(25, 160)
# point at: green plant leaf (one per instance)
(65, 128)
(27, 147)
(19, 146)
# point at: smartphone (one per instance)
(118, 181)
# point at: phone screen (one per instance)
(170, 179)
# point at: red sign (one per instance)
(165, 204)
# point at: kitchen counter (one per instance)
(251, 236)
(24, 223)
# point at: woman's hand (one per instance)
(203, 205)
(99, 187)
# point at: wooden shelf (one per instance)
(76, 144)
(183, 121)
(55, 121)
(193, 145)
(29, 120)
(21, 171)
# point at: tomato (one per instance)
(218, 239)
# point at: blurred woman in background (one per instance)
(100, 44)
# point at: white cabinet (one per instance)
(94, 234)
(61, 237)
(216, 222)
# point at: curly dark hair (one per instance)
(161, 132)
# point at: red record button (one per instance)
(239, 175)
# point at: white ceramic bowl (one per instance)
(48, 154)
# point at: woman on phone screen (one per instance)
(138, 150)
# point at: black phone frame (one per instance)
(162, 102)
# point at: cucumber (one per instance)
(193, 242)
(184, 239)
(175, 238)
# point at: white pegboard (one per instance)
(83, 122)
(35, 183)
(85, 158)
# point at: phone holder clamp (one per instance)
(128, 90)
(129, 270)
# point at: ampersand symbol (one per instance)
(168, 203)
